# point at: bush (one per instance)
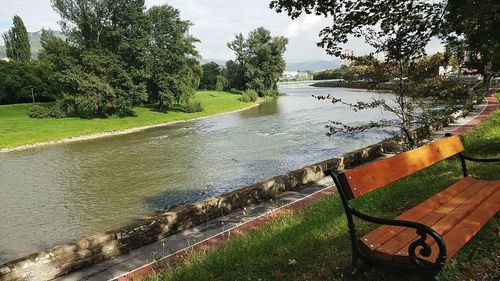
(88, 106)
(193, 106)
(38, 111)
(249, 96)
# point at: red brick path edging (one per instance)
(182, 255)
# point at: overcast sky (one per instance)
(215, 23)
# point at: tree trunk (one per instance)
(487, 74)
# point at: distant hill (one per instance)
(219, 62)
(313, 65)
(36, 46)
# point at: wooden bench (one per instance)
(422, 239)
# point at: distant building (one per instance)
(447, 71)
(5, 59)
(296, 75)
(290, 74)
(347, 57)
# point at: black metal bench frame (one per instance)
(419, 266)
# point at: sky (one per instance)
(215, 23)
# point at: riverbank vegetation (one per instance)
(313, 243)
(17, 129)
(114, 58)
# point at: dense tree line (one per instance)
(365, 68)
(115, 55)
(22, 80)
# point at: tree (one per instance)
(265, 61)
(211, 71)
(259, 61)
(175, 70)
(236, 69)
(23, 82)
(108, 43)
(221, 83)
(17, 41)
(471, 30)
(399, 29)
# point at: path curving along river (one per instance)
(53, 194)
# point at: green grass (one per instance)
(17, 129)
(313, 244)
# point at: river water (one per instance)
(54, 194)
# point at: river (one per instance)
(54, 194)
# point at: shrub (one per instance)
(38, 111)
(249, 96)
(193, 106)
(57, 112)
(87, 106)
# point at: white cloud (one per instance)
(305, 25)
(215, 23)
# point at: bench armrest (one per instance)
(422, 230)
(473, 159)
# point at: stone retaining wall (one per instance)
(60, 260)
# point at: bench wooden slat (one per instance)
(398, 242)
(467, 228)
(372, 176)
(384, 233)
(451, 218)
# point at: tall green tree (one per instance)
(221, 83)
(173, 58)
(211, 71)
(236, 69)
(109, 41)
(259, 61)
(17, 41)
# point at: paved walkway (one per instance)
(144, 260)
(150, 259)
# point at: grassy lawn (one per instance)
(313, 243)
(17, 129)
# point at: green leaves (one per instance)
(174, 70)
(259, 61)
(17, 42)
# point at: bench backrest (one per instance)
(374, 175)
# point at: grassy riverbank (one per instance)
(17, 129)
(313, 244)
